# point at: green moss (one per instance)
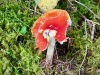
(17, 53)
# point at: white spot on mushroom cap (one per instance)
(50, 25)
(56, 27)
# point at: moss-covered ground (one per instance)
(18, 55)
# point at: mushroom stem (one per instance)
(50, 51)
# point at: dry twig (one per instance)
(88, 9)
(1, 3)
(90, 22)
(85, 51)
(35, 11)
(87, 22)
(83, 59)
(92, 31)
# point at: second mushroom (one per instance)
(48, 28)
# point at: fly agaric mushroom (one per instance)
(50, 27)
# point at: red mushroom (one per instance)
(50, 26)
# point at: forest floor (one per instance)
(80, 55)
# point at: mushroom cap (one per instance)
(57, 20)
(46, 5)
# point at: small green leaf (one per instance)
(23, 30)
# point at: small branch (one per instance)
(42, 73)
(56, 53)
(85, 51)
(35, 11)
(85, 28)
(1, 3)
(90, 22)
(88, 9)
(92, 31)
(83, 60)
(30, 8)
